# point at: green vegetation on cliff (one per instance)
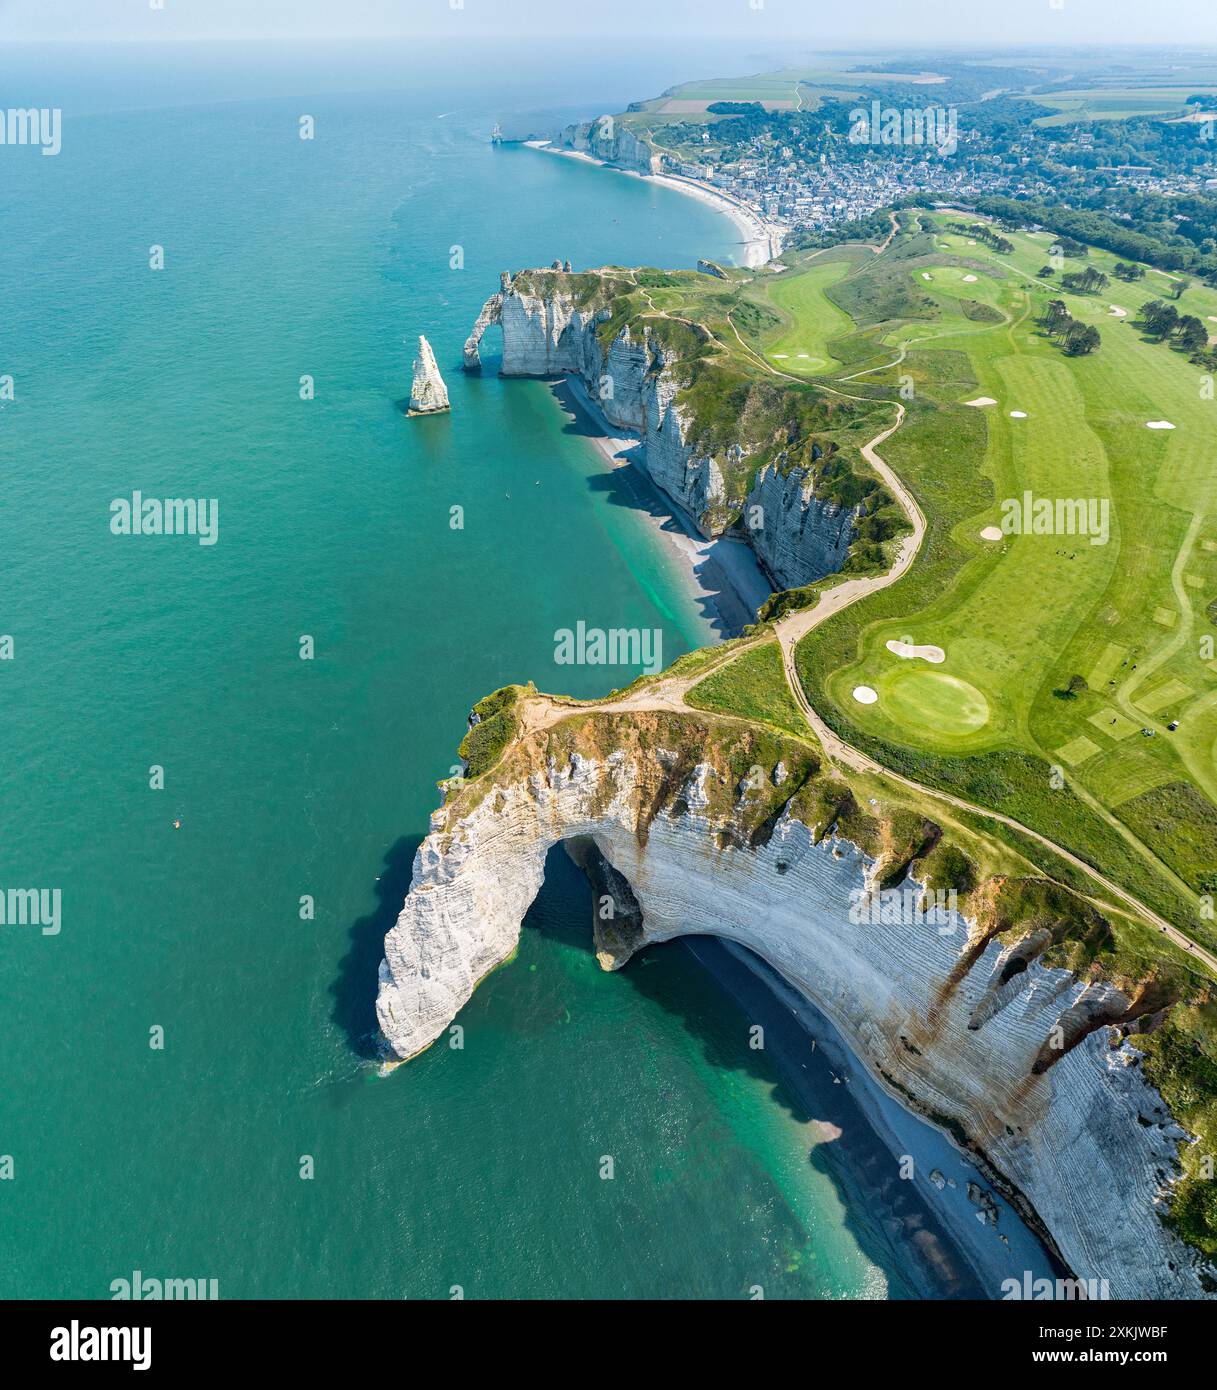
(493, 729)
(738, 409)
(753, 687)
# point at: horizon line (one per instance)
(834, 45)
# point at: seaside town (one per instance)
(793, 193)
(799, 179)
(792, 196)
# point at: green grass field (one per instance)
(752, 686)
(1113, 103)
(1019, 617)
(812, 319)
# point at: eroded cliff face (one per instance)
(802, 534)
(1013, 1059)
(636, 380)
(606, 139)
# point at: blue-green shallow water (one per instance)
(477, 1168)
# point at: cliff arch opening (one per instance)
(617, 929)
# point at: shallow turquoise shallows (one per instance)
(479, 1168)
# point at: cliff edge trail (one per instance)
(541, 711)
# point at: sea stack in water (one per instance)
(428, 394)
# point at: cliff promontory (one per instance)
(609, 140)
(738, 447)
(1014, 1025)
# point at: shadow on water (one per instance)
(718, 1000)
(631, 487)
(354, 987)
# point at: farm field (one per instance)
(788, 89)
(1113, 103)
(1066, 661)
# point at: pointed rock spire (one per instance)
(428, 394)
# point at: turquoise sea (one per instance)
(285, 258)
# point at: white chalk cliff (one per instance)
(428, 394)
(798, 535)
(607, 139)
(950, 1024)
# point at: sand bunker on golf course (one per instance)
(1018, 415)
(991, 533)
(969, 279)
(865, 695)
(981, 400)
(1117, 312)
(1159, 425)
(908, 652)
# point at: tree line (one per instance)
(1163, 322)
(1099, 230)
(1077, 339)
(983, 232)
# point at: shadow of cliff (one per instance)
(718, 1000)
(631, 486)
(354, 988)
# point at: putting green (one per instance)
(1062, 638)
(932, 700)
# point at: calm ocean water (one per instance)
(284, 258)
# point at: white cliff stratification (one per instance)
(802, 535)
(635, 380)
(489, 314)
(607, 139)
(428, 394)
(941, 1021)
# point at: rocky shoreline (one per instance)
(944, 1179)
(723, 574)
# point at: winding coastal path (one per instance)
(669, 694)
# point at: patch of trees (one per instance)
(983, 232)
(1088, 281)
(872, 228)
(1163, 322)
(1068, 246)
(1121, 238)
(1076, 339)
(1128, 272)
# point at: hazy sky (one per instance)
(1183, 23)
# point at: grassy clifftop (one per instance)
(739, 409)
(739, 721)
